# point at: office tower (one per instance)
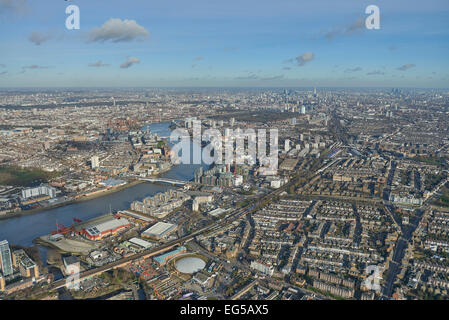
(95, 162)
(228, 132)
(231, 122)
(303, 110)
(287, 145)
(5, 258)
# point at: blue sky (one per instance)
(224, 43)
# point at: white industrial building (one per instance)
(160, 230)
(141, 243)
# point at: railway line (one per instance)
(236, 214)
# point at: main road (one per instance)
(399, 252)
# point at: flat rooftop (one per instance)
(159, 229)
(137, 215)
(141, 242)
(107, 225)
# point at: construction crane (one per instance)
(61, 229)
(77, 220)
(156, 292)
(158, 295)
(153, 272)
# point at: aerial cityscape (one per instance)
(224, 150)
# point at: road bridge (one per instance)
(165, 180)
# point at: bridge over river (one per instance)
(165, 180)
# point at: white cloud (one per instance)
(406, 67)
(34, 66)
(353, 69)
(98, 64)
(304, 58)
(392, 47)
(279, 77)
(128, 63)
(18, 7)
(250, 76)
(37, 38)
(376, 73)
(116, 30)
(357, 25)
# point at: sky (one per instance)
(233, 43)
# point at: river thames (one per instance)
(24, 229)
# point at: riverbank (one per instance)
(80, 199)
(74, 247)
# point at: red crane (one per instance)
(61, 229)
(158, 295)
(77, 220)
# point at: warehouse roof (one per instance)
(159, 229)
(106, 226)
(141, 242)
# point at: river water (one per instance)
(23, 230)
